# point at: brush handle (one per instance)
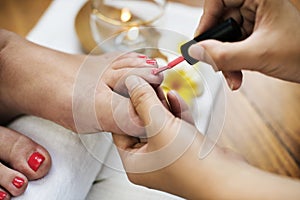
(228, 31)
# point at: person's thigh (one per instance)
(73, 168)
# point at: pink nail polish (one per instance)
(142, 56)
(35, 161)
(2, 195)
(151, 62)
(18, 182)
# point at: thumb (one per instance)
(147, 105)
(225, 56)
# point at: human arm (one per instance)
(169, 160)
(270, 44)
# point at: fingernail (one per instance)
(2, 195)
(35, 161)
(197, 51)
(151, 62)
(142, 56)
(132, 82)
(18, 182)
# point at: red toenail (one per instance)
(142, 56)
(18, 182)
(35, 161)
(151, 62)
(2, 195)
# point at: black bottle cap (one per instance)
(227, 31)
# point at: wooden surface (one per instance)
(21, 15)
(263, 124)
(262, 118)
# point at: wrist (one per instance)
(193, 178)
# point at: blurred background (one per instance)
(262, 118)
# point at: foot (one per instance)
(21, 160)
(58, 86)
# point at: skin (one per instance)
(20, 60)
(15, 149)
(29, 69)
(38, 81)
(221, 175)
(270, 41)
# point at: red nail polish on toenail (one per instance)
(35, 161)
(151, 62)
(2, 195)
(142, 56)
(18, 182)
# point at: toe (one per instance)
(12, 181)
(23, 155)
(4, 195)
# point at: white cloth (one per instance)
(112, 183)
(74, 169)
(55, 29)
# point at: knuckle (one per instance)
(221, 59)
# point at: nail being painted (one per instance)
(169, 66)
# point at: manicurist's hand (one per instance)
(271, 42)
(168, 158)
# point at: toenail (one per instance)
(151, 62)
(18, 182)
(35, 161)
(2, 195)
(142, 56)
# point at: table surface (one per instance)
(262, 118)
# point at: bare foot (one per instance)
(58, 86)
(21, 160)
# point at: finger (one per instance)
(233, 13)
(116, 79)
(116, 114)
(162, 97)
(125, 142)
(234, 79)
(147, 105)
(4, 194)
(179, 108)
(223, 56)
(214, 11)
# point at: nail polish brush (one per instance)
(227, 31)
